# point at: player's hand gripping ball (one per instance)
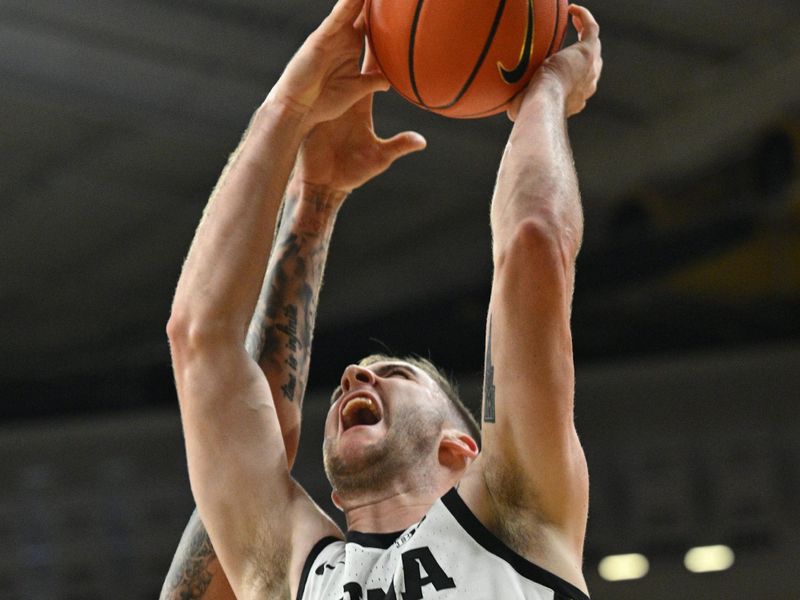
(463, 58)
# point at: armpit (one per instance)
(516, 519)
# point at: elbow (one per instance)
(181, 326)
(177, 330)
(179, 335)
(191, 332)
(540, 244)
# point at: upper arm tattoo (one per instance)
(488, 379)
(189, 575)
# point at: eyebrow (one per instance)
(386, 367)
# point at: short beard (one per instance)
(406, 450)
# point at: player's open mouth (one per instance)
(360, 410)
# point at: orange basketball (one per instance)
(463, 58)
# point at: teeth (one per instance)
(359, 403)
(360, 410)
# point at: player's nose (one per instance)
(355, 374)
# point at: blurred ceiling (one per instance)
(118, 117)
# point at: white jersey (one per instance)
(448, 555)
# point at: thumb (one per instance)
(402, 144)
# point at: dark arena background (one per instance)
(117, 118)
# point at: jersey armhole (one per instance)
(477, 531)
(312, 556)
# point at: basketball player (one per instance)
(429, 516)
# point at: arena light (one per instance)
(707, 559)
(621, 567)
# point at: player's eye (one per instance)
(395, 372)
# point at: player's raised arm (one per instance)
(195, 570)
(533, 465)
(237, 459)
(216, 377)
(335, 158)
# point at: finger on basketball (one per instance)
(584, 22)
(346, 11)
(360, 23)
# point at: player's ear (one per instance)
(335, 500)
(457, 449)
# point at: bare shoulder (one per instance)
(276, 566)
(501, 502)
(310, 525)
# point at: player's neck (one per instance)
(394, 510)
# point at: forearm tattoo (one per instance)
(281, 331)
(189, 575)
(488, 380)
(279, 338)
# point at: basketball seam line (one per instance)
(555, 30)
(411, 43)
(481, 58)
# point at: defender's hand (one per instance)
(575, 69)
(345, 153)
(324, 78)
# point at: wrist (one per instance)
(542, 106)
(314, 207)
(287, 112)
(546, 91)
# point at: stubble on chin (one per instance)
(369, 471)
(377, 466)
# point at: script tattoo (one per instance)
(281, 331)
(488, 380)
(279, 338)
(192, 576)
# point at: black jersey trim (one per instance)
(373, 540)
(312, 556)
(465, 517)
